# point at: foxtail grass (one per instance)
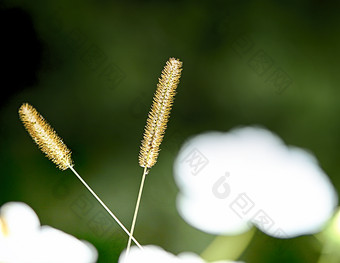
(156, 125)
(55, 149)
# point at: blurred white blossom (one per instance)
(248, 176)
(155, 254)
(23, 240)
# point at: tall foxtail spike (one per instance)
(156, 125)
(159, 113)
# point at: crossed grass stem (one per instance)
(54, 148)
(104, 206)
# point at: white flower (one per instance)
(248, 176)
(23, 240)
(155, 254)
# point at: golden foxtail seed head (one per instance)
(159, 113)
(45, 137)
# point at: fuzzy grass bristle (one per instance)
(159, 114)
(55, 149)
(45, 137)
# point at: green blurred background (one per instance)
(91, 68)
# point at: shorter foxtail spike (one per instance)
(55, 149)
(45, 137)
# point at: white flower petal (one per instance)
(19, 219)
(250, 173)
(150, 254)
(190, 257)
(26, 242)
(58, 246)
(210, 216)
(155, 254)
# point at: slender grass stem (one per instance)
(136, 211)
(106, 208)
